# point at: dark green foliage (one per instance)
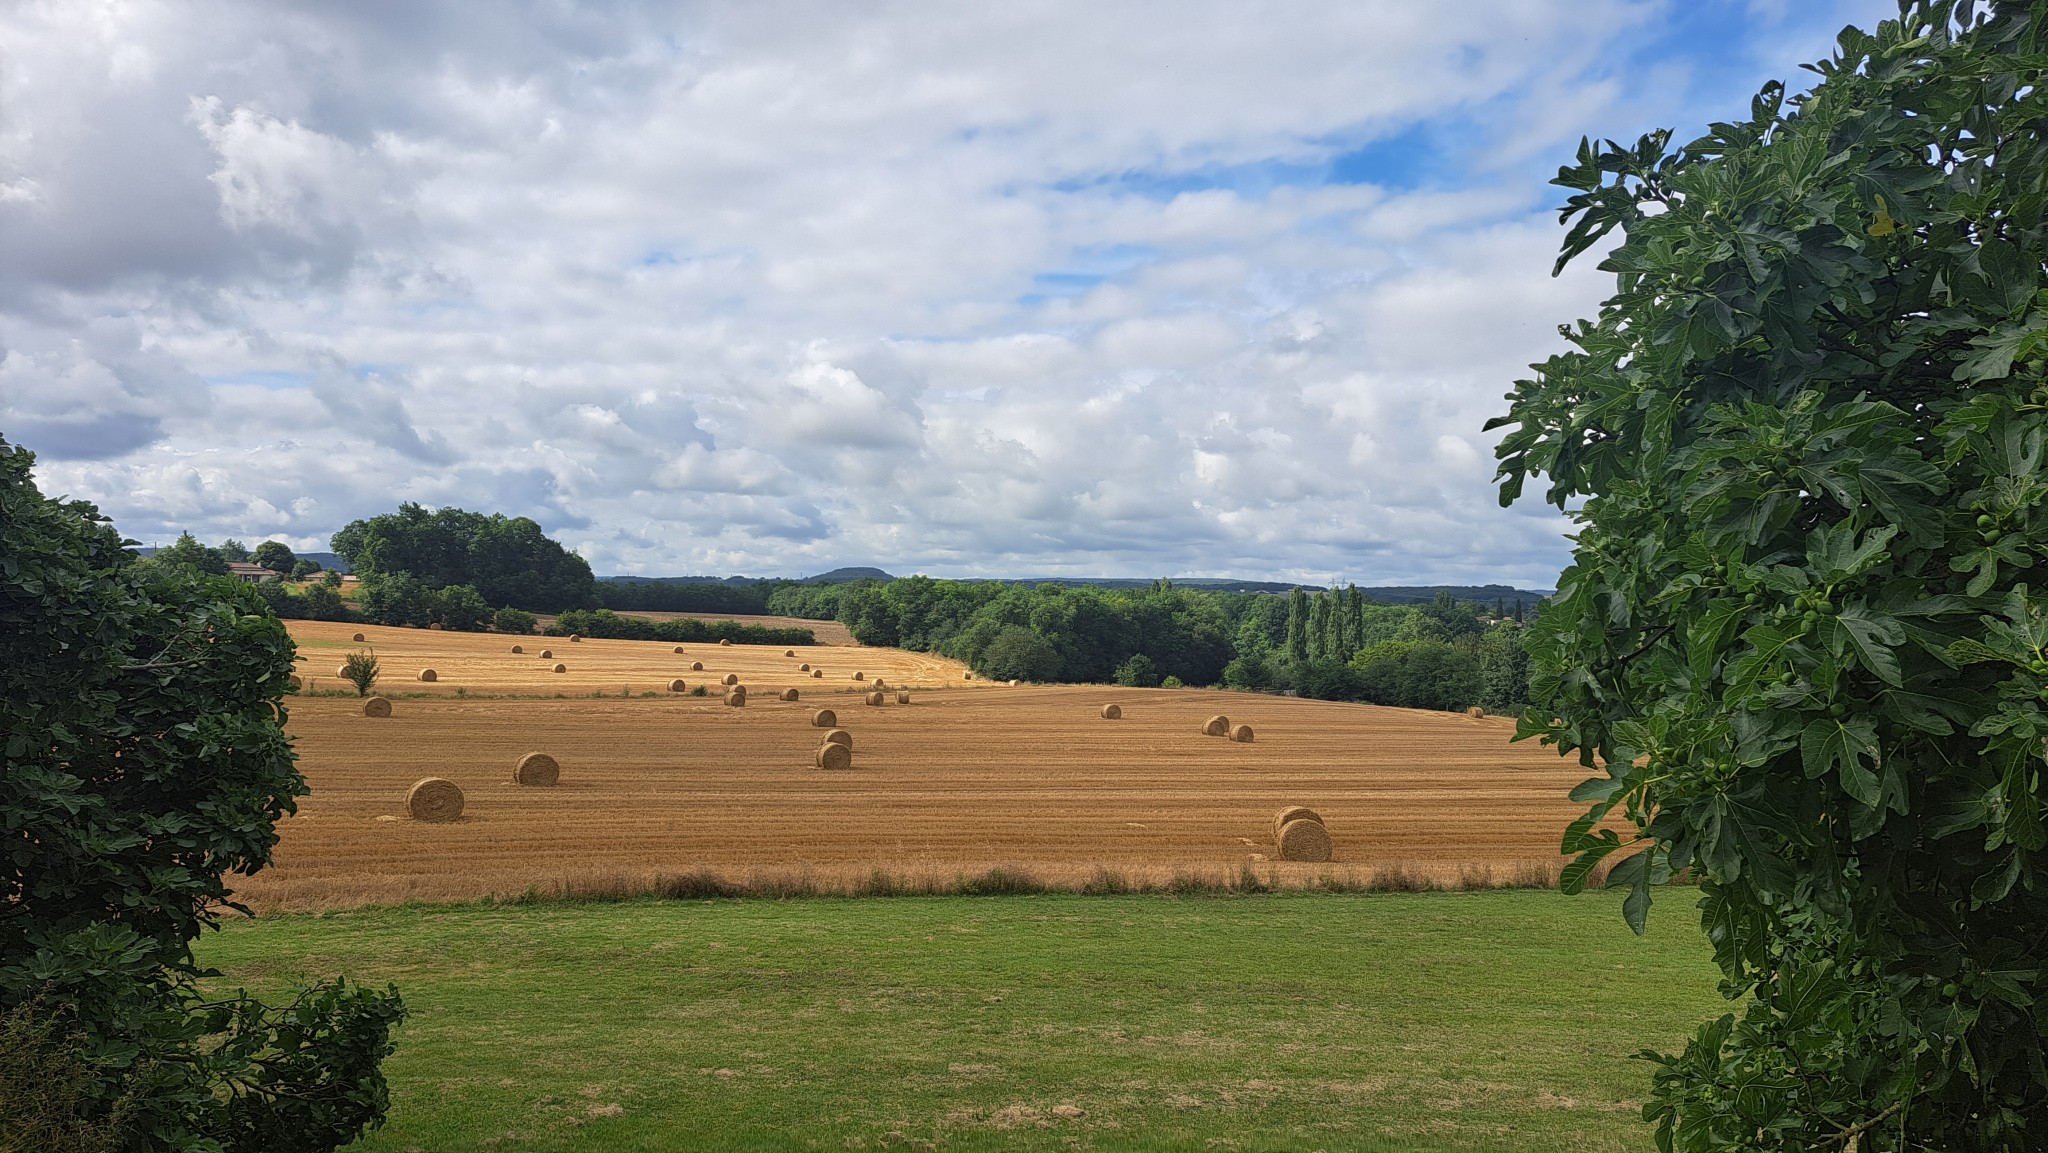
(1326, 679)
(675, 596)
(461, 608)
(1503, 668)
(280, 601)
(234, 550)
(1422, 674)
(1799, 633)
(515, 621)
(275, 556)
(301, 569)
(322, 603)
(189, 553)
(686, 630)
(360, 670)
(1021, 655)
(51, 1099)
(398, 599)
(144, 761)
(1140, 672)
(507, 560)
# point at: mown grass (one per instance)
(1442, 1021)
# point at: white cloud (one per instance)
(771, 288)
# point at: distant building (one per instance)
(250, 573)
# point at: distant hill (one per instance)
(1383, 594)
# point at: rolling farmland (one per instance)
(965, 777)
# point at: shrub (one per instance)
(518, 622)
(146, 761)
(360, 670)
(1139, 673)
(461, 608)
(1021, 655)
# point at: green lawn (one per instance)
(1495, 1021)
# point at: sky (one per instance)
(1181, 288)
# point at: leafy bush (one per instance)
(146, 760)
(1805, 443)
(1018, 654)
(1139, 673)
(398, 599)
(461, 608)
(360, 670)
(322, 603)
(516, 621)
(51, 1097)
(1417, 674)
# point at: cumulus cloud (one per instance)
(1201, 288)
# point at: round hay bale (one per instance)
(358, 638)
(874, 698)
(1293, 813)
(433, 799)
(547, 654)
(679, 648)
(293, 682)
(677, 686)
(789, 694)
(561, 668)
(730, 679)
(834, 756)
(817, 672)
(736, 699)
(429, 675)
(519, 648)
(574, 639)
(1112, 712)
(789, 652)
(859, 676)
(537, 769)
(902, 698)
(696, 666)
(1475, 711)
(341, 671)
(1304, 841)
(1014, 682)
(966, 676)
(1216, 726)
(376, 707)
(1242, 734)
(727, 642)
(824, 719)
(840, 737)
(804, 667)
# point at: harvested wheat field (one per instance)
(965, 779)
(483, 663)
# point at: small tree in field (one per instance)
(1806, 444)
(360, 670)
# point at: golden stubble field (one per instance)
(965, 777)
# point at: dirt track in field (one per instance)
(963, 778)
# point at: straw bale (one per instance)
(824, 718)
(874, 698)
(789, 694)
(789, 652)
(966, 676)
(817, 672)
(902, 698)
(678, 648)
(1304, 841)
(730, 679)
(429, 675)
(859, 676)
(433, 799)
(341, 670)
(1242, 734)
(1112, 712)
(840, 737)
(696, 666)
(547, 654)
(518, 648)
(376, 707)
(292, 682)
(736, 698)
(1293, 813)
(358, 638)
(1216, 726)
(804, 667)
(573, 638)
(561, 668)
(834, 756)
(537, 769)
(677, 686)
(727, 642)
(1475, 711)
